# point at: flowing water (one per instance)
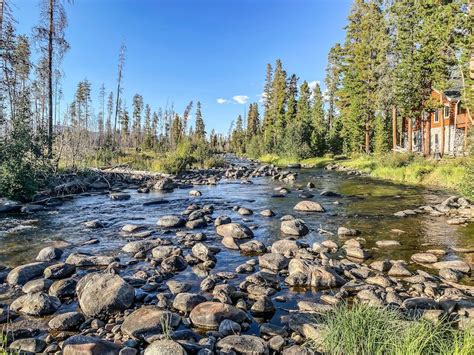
(366, 204)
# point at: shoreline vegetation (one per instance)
(450, 173)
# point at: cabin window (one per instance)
(446, 111)
(436, 116)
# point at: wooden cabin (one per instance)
(441, 131)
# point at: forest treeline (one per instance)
(394, 53)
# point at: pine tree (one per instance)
(267, 126)
(148, 133)
(200, 131)
(333, 85)
(137, 117)
(291, 102)
(253, 121)
(364, 51)
(124, 119)
(277, 104)
(318, 125)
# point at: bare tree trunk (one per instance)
(50, 78)
(367, 139)
(410, 135)
(428, 137)
(394, 128)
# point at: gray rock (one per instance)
(253, 247)
(458, 265)
(63, 288)
(286, 247)
(209, 315)
(164, 347)
(243, 344)
(37, 286)
(165, 184)
(103, 293)
(424, 258)
(262, 305)
(294, 227)
(185, 302)
(116, 196)
(88, 345)
(202, 252)
(9, 206)
(89, 260)
(147, 321)
(141, 245)
(178, 286)
(267, 213)
(59, 271)
(49, 254)
(66, 321)
(171, 222)
(273, 261)
(28, 345)
(24, 273)
(309, 273)
(36, 304)
(222, 220)
(309, 206)
(234, 231)
(165, 251)
(228, 327)
(344, 231)
(174, 263)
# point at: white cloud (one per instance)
(240, 99)
(262, 98)
(312, 84)
(222, 101)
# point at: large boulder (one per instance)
(309, 273)
(104, 293)
(24, 273)
(87, 345)
(209, 315)
(36, 304)
(148, 320)
(309, 206)
(294, 227)
(234, 231)
(165, 347)
(27, 346)
(243, 344)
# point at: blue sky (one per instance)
(182, 50)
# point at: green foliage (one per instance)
(366, 330)
(22, 167)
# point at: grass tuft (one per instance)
(365, 330)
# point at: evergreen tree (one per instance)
(277, 103)
(291, 101)
(137, 117)
(200, 132)
(318, 125)
(148, 133)
(365, 49)
(253, 121)
(124, 119)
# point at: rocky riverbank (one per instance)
(163, 294)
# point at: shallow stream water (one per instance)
(366, 204)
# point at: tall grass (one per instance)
(366, 330)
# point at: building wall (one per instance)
(453, 140)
